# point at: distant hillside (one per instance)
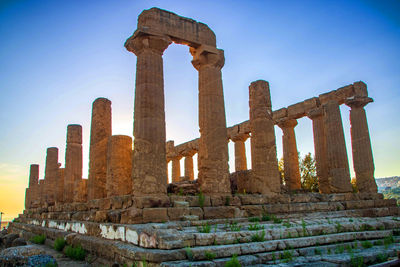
(391, 182)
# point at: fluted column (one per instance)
(30, 193)
(149, 175)
(176, 169)
(188, 163)
(73, 162)
(317, 117)
(100, 132)
(213, 167)
(119, 165)
(265, 175)
(338, 163)
(290, 154)
(363, 160)
(240, 151)
(51, 174)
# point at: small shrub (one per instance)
(317, 251)
(275, 219)
(366, 244)
(378, 243)
(339, 249)
(350, 220)
(258, 237)
(265, 217)
(75, 253)
(38, 239)
(286, 256)
(180, 193)
(189, 253)
(388, 240)
(59, 244)
(235, 227)
(349, 249)
(273, 258)
(204, 228)
(254, 219)
(356, 261)
(210, 256)
(227, 200)
(329, 251)
(382, 257)
(303, 225)
(233, 262)
(51, 264)
(286, 224)
(255, 227)
(201, 199)
(366, 227)
(380, 227)
(339, 227)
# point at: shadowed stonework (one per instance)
(126, 211)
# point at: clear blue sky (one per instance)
(56, 57)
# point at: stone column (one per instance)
(99, 133)
(363, 160)
(240, 151)
(30, 193)
(338, 164)
(264, 177)
(149, 165)
(317, 117)
(290, 154)
(119, 165)
(188, 162)
(73, 162)
(176, 169)
(51, 174)
(213, 167)
(60, 186)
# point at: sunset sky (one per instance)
(56, 57)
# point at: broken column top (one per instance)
(181, 30)
(74, 133)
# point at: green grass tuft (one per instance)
(75, 253)
(59, 244)
(38, 239)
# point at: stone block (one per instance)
(105, 203)
(176, 214)
(296, 111)
(194, 201)
(252, 199)
(132, 216)
(121, 202)
(253, 210)
(219, 212)
(344, 92)
(81, 207)
(114, 216)
(94, 204)
(279, 114)
(300, 198)
(181, 204)
(101, 216)
(326, 97)
(155, 215)
(197, 212)
(360, 89)
(151, 201)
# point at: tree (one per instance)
(308, 172)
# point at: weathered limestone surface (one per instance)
(265, 176)
(99, 133)
(176, 169)
(317, 117)
(119, 165)
(361, 145)
(290, 154)
(73, 162)
(188, 164)
(31, 192)
(240, 151)
(213, 175)
(51, 174)
(60, 186)
(149, 166)
(338, 164)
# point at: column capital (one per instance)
(145, 42)
(315, 113)
(188, 152)
(287, 123)
(207, 56)
(358, 101)
(240, 137)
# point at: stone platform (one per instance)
(189, 235)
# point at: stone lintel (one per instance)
(358, 101)
(279, 114)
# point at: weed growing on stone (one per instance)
(227, 200)
(275, 219)
(289, 235)
(38, 239)
(356, 261)
(255, 227)
(258, 237)
(350, 220)
(235, 227)
(233, 262)
(349, 249)
(204, 228)
(380, 227)
(382, 257)
(287, 224)
(201, 199)
(339, 227)
(329, 221)
(180, 193)
(274, 258)
(265, 217)
(366, 244)
(303, 225)
(75, 253)
(329, 251)
(189, 253)
(210, 255)
(378, 243)
(254, 219)
(366, 227)
(286, 256)
(59, 244)
(317, 251)
(215, 228)
(388, 240)
(339, 249)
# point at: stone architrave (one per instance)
(99, 133)
(240, 151)
(51, 174)
(73, 162)
(317, 117)
(213, 175)
(290, 154)
(119, 165)
(363, 160)
(30, 193)
(188, 164)
(264, 176)
(149, 165)
(338, 164)
(176, 169)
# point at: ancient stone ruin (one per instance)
(126, 211)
